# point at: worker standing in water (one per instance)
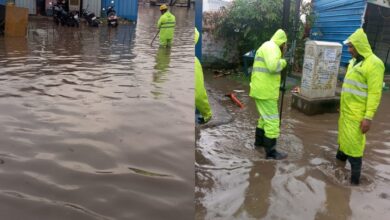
(166, 26)
(360, 97)
(201, 100)
(264, 89)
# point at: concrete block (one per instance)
(320, 68)
(312, 106)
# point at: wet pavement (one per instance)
(234, 181)
(97, 124)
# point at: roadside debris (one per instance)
(296, 89)
(235, 99)
(221, 73)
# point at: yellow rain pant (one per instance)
(269, 117)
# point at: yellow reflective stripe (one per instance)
(168, 24)
(261, 59)
(354, 91)
(279, 67)
(260, 69)
(270, 117)
(356, 83)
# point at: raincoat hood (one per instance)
(196, 35)
(279, 37)
(360, 41)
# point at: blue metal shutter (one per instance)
(335, 20)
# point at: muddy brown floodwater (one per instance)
(97, 124)
(234, 181)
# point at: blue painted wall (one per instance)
(335, 20)
(124, 8)
(2, 2)
(198, 25)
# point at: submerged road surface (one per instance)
(97, 124)
(234, 181)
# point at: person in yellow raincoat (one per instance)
(201, 100)
(264, 89)
(360, 97)
(166, 26)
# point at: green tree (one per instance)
(246, 24)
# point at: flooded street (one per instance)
(234, 181)
(97, 124)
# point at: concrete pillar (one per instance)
(319, 78)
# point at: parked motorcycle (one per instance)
(60, 16)
(73, 19)
(112, 19)
(90, 18)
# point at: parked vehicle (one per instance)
(73, 19)
(112, 19)
(60, 16)
(90, 18)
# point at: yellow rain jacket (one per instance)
(265, 79)
(166, 24)
(201, 99)
(360, 95)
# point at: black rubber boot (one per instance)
(341, 156)
(259, 137)
(270, 151)
(356, 168)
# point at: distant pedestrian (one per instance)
(166, 26)
(360, 97)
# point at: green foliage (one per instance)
(246, 24)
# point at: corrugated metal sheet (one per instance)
(94, 6)
(31, 5)
(125, 8)
(335, 20)
(377, 28)
(2, 2)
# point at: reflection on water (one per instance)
(233, 181)
(163, 58)
(82, 133)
